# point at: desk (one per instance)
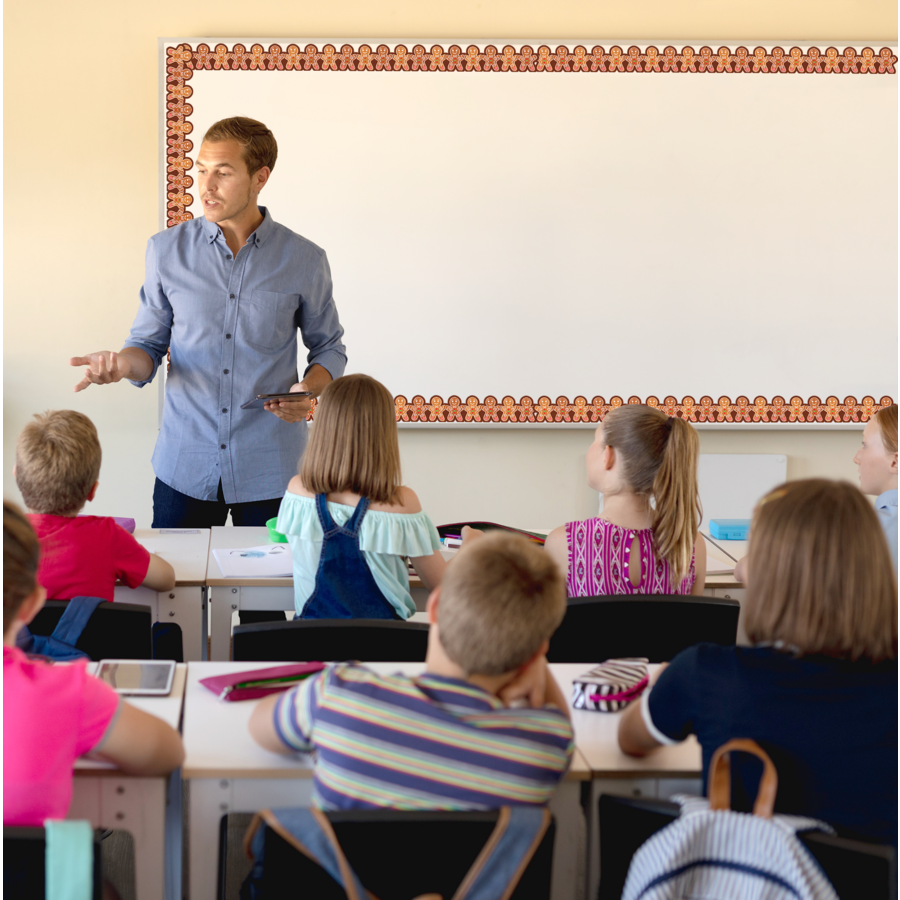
(229, 773)
(148, 807)
(667, 771)
(187, 553)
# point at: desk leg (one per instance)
(186, 607)
(569, 847)
(223, 602)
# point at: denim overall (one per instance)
(345, 588)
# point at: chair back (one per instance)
(657, 626)
(114, 631)
(24, 874)
(857, 870)
(329, 640)
(445, 846)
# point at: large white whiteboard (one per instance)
(582, 233)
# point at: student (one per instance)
(818, 688)
(52, 714)
(349, 522)
(877, 461)
(57, 464)
(646, 540)
(447, 739)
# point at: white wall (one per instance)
(81, 197)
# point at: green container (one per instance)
(274, 535)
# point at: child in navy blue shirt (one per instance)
(818, 688)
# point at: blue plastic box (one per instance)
(729, 529)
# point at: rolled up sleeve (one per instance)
(320, 326)
(152, 327)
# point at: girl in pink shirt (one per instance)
(646, 540)
(52, 714)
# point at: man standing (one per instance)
(226, 294)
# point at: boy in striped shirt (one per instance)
(486, 725)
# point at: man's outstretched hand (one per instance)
(103, 367)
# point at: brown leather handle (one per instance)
(719, 782)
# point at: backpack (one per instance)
(493, 876)
(60, 645)
(713, 853)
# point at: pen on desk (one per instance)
(719, 547)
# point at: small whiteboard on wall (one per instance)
(731, 484)
(527, 233)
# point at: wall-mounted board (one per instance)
(520, 232)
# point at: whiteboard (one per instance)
(546, 243)
(731, 484)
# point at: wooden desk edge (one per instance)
(250, 582)
(189, 772)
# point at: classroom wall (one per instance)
(81, 197)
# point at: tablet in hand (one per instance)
(260, 400)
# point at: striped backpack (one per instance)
(713, 853)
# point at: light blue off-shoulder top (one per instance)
(385, 538)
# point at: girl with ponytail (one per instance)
(646, 540)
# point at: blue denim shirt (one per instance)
(231, 325)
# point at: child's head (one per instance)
(20, 563)
(657, 456)
(877, 458)
(353, 446)
(58, 462)
(500, 599)
(819, 574)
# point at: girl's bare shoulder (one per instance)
(409, 503)
(296, 486)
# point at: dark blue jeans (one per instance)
(172, 509)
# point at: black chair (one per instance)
(114, 631)
(23, 863)
(445, 846)
(657, 626)
(858, 871)
(327, 640)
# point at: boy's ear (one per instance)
(91, 492)
(541, 651)
(431, 607)
(893, 465)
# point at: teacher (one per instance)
(225, 294)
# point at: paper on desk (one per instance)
(267, 561)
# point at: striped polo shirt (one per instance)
(424, 742)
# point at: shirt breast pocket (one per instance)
(266, 321)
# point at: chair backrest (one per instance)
(114, 631)
(329, 640)
(398, 855)
(24, 875)
(657, 626)
(858, 871)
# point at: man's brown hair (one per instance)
(21, 552)
(887, 422)
(57, 462)
(258, 146)
(820, 576)
(501, 598)
(353, 445)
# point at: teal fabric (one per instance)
(385, 538)
(69, 860)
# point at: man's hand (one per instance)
(103, 367)
(291, 410)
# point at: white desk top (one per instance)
(596, 738)
(236, 537)
(186, 551)
(166, 708)
(218, 744)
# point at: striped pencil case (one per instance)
(611, 686)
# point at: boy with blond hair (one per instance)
(57, 466)
(485, 726)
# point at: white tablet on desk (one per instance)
(138, 677)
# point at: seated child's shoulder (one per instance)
(296, 486)
(408, 503)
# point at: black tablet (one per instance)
(260, 400)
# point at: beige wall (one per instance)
(81, 189)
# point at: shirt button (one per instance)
(228, 256)
(231, 296)
(224, 409)
(222, 446)
(227, 337)
(225, 371)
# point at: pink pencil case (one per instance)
(610, 686)
(260, 682)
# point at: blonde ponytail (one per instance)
(677, 516)
(659, 459)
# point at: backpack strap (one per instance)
(74, 619)
(504, 858)
(720, 777)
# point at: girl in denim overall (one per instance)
(350, 523)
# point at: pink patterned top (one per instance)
(598, 562)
